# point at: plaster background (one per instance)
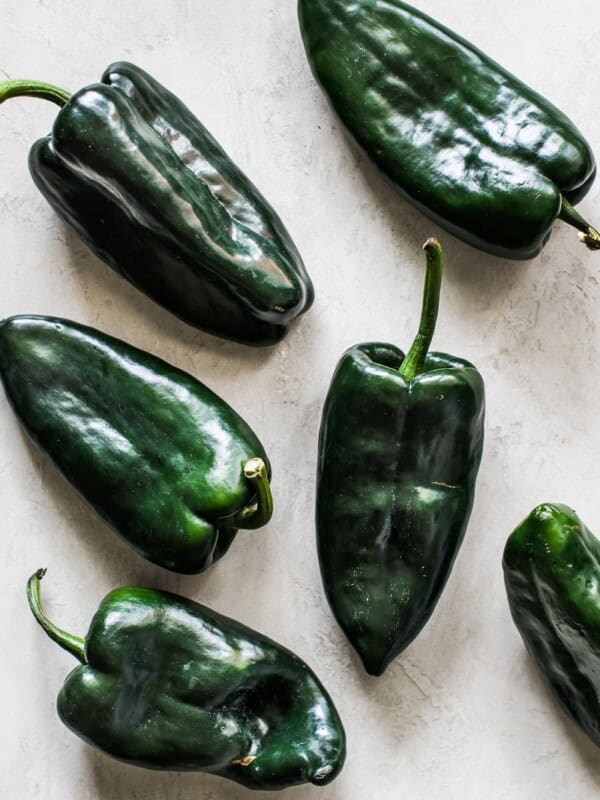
(462, 714)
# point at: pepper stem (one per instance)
(414, 362)
(260, 512)
(588, 235)
(72, 644)
(46, 91)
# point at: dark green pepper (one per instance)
(465, 141)
(168, 464)
(552, 574)
(399, 450)
(168, 684)
(153, 194)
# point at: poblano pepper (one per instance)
(154, 195)
(399, 450)
(168, 684)
(552, 574)
(465, 141)
(168, 464)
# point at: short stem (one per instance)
(46, 91)
(414, 362)
(588, 235)
(72, 644)
(260, 512)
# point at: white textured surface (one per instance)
(462, 714)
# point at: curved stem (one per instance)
(72, 644)
(588, 235)
(414, 362)
(46, 91)
(260, 512)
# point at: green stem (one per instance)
(588, 235)
(260, 512)
(414, 362)
(46, 91)
(72, 644)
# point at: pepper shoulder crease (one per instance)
(469, 144)
(148, 188)
(165, 461)
(165, 683)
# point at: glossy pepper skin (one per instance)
(168, 464)
(465, 141)
(552, 573)
(168, 684)
(146, 186)
(399, 449)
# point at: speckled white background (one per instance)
(462, 714)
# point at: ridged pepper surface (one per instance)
(552, 574)
(465, 141)
(400, 446)
(167, 684)
(168, 464)
(146, 186)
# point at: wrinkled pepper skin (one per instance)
(168, 684)
(466, 142)
(552, 573)
(398, 460)
(157, 454)
(146, 186)
(397, 469)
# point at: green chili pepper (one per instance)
(153, 194)
(552, 574)
(168, 464)
(465, 141)
(168, 684)
(400, 446)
